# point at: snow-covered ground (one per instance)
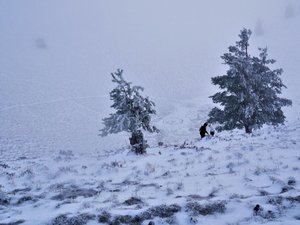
(55, 61)
(183, 180)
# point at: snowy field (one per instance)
(185, 180)
(55, 62)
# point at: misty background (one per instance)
(56, 57)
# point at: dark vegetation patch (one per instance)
(263, 193)
(268, 215)
(286, 189)
(196, 197)
(115, 190)
(66, 202)
(25, 199)
(294, 199)
(281, 205)
(14, 223)
(22, 158)
(133, 201)
(197, 209)
(4, 200)
(5, 166)
(150, 185)
(186, 145)
(126, 219)
(277, 200)
(258, 211)
(291, 181)
(81, 219)
(127, 182)
(297, 217)
(20, 190)
(162, 211)
(74, 192)
(104, 217)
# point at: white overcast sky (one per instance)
(171, 47)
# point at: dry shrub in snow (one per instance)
(161, 211)
(4, 200)
(197, 209)
(81, 219)
(133, 201)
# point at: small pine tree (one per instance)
(133, 113)
(250, 97)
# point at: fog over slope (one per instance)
(162, 45)
(56, 56)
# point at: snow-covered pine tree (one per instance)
(250, 90)
(133, 113)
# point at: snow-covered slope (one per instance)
(56, 58)
(55, 61)
(184, 180)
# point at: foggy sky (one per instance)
(65, 48)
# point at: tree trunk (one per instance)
(248, 129)
(138, 143)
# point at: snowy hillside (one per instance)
(55, 63)
(217, 180)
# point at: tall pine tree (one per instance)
(250, 90)
(133, 113)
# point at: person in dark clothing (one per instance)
(203, 130)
